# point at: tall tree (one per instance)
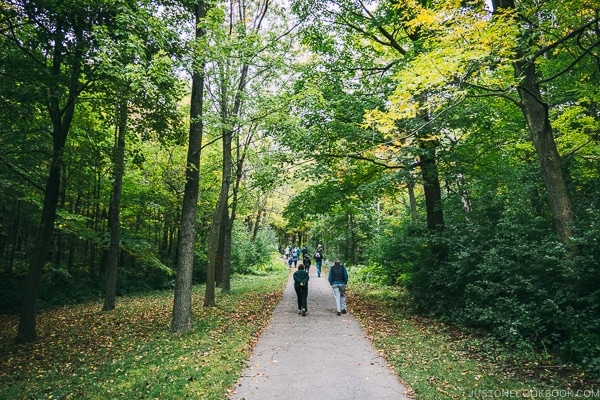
(182, 304)
(56, 40)
(115, 208)
(537, 114)
(247, 54)
(480, 64)
(138, 73)
(229, 115)
(385, 32)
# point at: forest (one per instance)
(449, 150)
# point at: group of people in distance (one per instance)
(338, 277)
(294, 254)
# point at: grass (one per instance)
(84, 353)
(130, 353)
(438, 361)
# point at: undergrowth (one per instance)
(439, 361)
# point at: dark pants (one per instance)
(302, 292)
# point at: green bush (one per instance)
(373, 273)
(60, 287)
(11, 292)
(517, 283)
(396, 254)
(246, 256)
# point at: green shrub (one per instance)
(373, 273)
(60, 287)
(517, 283)
(396, 254)
(246, 255)
(11, 292)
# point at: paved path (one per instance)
(321, 356)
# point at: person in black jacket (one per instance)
(306, 261)
(338, 278)
(301, 288)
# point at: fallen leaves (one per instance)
(436, 359)
(82, 348)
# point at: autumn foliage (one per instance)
(130, 353)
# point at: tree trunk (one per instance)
(535, 111)
(227, 224)
(115, 211)
(14, 237)
(256, 226)
(538, 120)
(182, 302)
(431, 185)
(219, 222)
(27, 321)
(223, 208)
(213, 247)
(61, 123)
(213, 244)
(261, 205)
(216, 243)
(226, 284)
(219, 253)
(412, 201)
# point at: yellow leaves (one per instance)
(458, 47)
(426, 19)
(384, 121)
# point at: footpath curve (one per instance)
(319, 356)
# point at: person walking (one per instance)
(306, 261)
(304, 251)
(338, 278)
(295, 256)
(318, 259)
(301, 287)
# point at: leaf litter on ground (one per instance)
(438, 360)
(85, 353)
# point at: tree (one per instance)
(536, 110)
(479, 67)
(115, 208)
(384, 35)
(182, 304)
(137, 74)
(246, 54)
(56, 40)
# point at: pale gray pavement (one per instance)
(321, 356)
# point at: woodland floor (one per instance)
(130, 353)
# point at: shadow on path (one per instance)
(319, 356)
